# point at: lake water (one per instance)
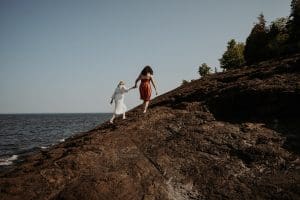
(24, 133)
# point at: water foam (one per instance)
(8, 161)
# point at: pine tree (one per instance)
(233, 57)
(294, 27)
(256, 43)
(295, 13)
(277, 37)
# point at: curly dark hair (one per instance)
(147, 69)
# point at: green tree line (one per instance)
(280, 38)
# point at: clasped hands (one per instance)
(133, 87)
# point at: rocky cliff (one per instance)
(230, 135)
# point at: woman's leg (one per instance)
(124, 116)
(146, 104)
(112, 119)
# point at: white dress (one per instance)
(118, 96)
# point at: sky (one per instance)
(67, 56)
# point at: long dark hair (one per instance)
(147, 69)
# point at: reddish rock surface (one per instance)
(231, 135)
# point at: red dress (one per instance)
(145, 89)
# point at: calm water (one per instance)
(24, 133)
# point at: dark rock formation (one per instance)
(231, 135)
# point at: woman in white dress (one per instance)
(118, 97)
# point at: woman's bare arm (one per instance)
(137, 80)
(153, 83)
(125, 89)
(113, 97)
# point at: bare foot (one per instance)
(144, 111)
(111, 121)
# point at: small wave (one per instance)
(62, 140)
(42, 147)
(8, 161)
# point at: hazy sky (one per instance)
(68, 55)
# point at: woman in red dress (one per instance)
(146, 76)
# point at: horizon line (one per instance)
(55, 113)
